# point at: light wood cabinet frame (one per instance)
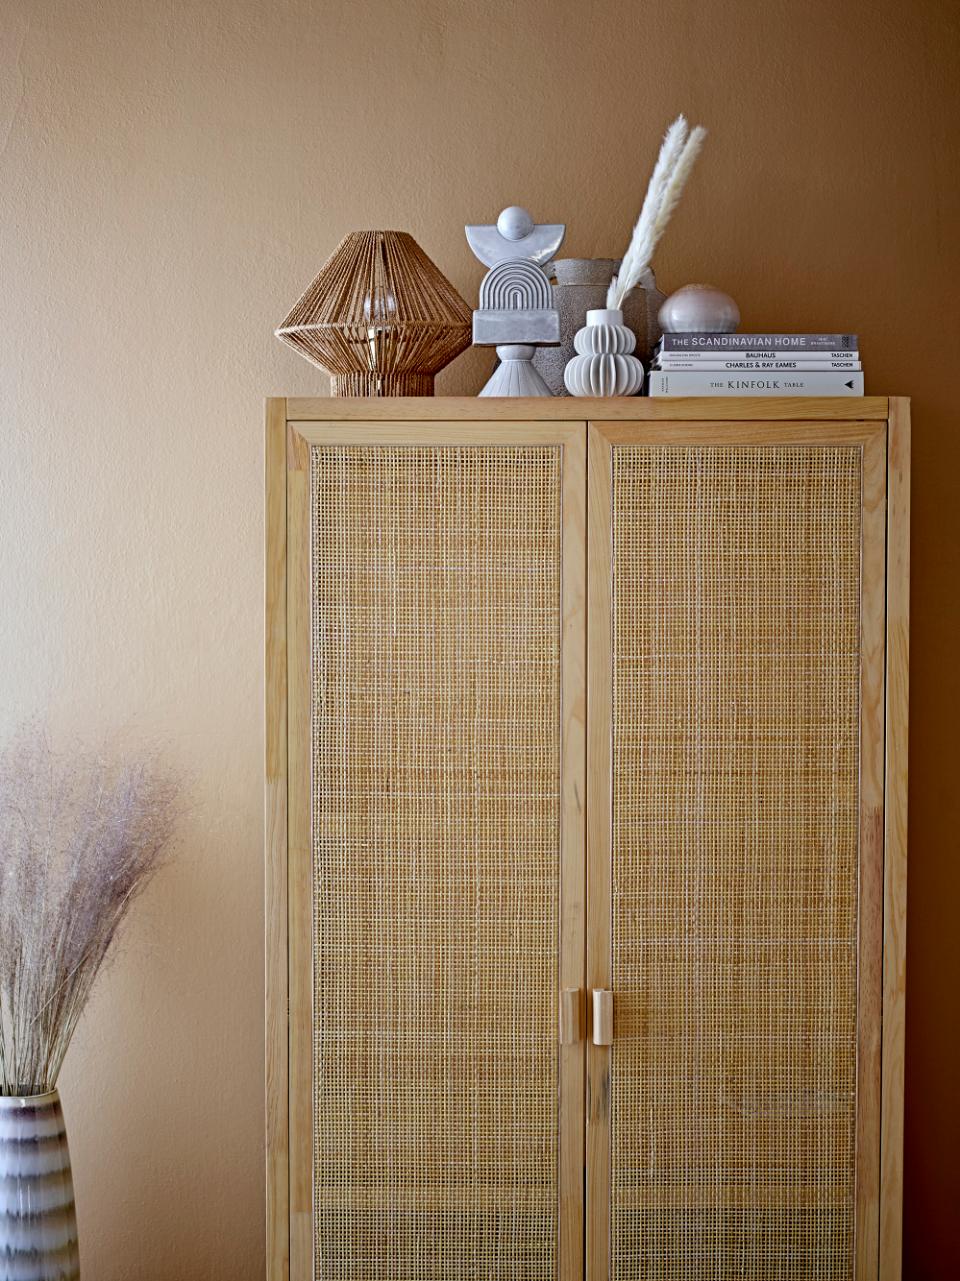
(881, 427)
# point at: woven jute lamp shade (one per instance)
(380, 317)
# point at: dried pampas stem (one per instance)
(79, 840)
(675, 162)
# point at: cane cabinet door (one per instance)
(735, 730)
(435, 666)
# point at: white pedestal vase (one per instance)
(604, 365)
(38, 1222)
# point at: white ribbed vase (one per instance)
(604, 365)
(38, 1221)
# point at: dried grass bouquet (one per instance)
(678, 154)
(79, 839)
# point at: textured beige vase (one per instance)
(38, 1222)
(581, 286)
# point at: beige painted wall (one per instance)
(172, 172)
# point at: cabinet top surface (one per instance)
(578, 409)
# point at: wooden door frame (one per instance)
(288, 848)
(881, 900)
(599, 839)
(895, 839)
(275, 842)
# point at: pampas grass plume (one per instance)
(80, 838)
(678, 153)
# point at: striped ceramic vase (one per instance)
(38, 1223)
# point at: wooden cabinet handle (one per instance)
(602, 1016)
(571, 1015)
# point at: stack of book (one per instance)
(756, 365)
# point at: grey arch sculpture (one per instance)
(516, 312)
(515, 284)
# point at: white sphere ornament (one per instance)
(514, 223)
(604, 364)
(699, 309)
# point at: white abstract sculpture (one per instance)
(516, 312)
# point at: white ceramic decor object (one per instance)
(582, 285)
(605, 365)
(515, 375)
(516, 306)
(515, 235)
(516, 312)
(38, 1223)
(699, 309)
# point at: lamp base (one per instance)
(376, 384)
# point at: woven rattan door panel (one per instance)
(738, 857)
(439, 641)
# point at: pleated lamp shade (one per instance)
(380, 317)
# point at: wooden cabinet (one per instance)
(586, 813)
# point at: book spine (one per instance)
(666, 383)
(760, 342)
(748, 366)
(699, 359)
